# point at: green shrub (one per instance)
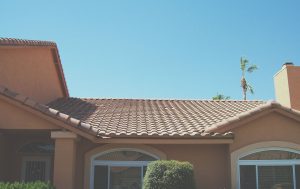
(29, 185)
(169, 174)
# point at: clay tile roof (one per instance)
(149, 118)
(25, 42)
(153, 118)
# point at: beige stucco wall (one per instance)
(13, 117)
(287, 84)
(272, 130)
(282, 91)
(272, 127)
(64, 163)
(210, 161)
(31, 72)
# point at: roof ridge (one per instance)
(25, 42)
(150, 99)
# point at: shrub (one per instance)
(169, 174)
(29, 185)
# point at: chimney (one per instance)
(287, 85)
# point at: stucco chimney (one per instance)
(287, 85)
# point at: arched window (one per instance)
(121, 168)
(270, 169)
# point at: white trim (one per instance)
(269, 149)
(294, 177)
(269, 162)
(45, 159)
(256, 172)
(63, 135)
(121, 163)
(109, 163)
(123, 149)
(256, 163)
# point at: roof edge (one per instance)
(75, 124)
(25, 42)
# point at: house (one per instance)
(107, 143)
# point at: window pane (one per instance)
(126, 156)
(272, 155)
(275, 177)
(125, 178)
(101, 177)
(248, 176)
(297, 171)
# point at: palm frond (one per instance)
(243, 63)
(252, 68)
(221, 97)
(250, 89)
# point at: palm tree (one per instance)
(220, 97)
(244, 84)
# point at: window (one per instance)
(36, 161)
(35, 168)
(121, 169)
(270, 169)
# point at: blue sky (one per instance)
(161, 48)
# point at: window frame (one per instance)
(110, 163)
(256, 163)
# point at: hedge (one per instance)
(29, 185)
(169, 174)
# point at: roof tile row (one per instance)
(24, 42)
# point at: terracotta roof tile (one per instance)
(155, 118)
(148, 118)
(25, 42)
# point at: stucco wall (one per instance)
(282, 91)
(272, 127)
(211, 162)
(12, 117)
(294, 85)
(31, 72)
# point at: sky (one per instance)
(161, 49)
